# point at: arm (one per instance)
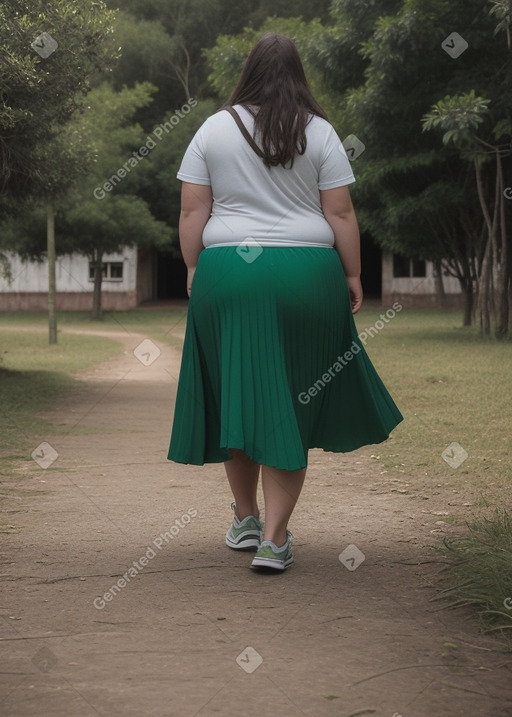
(339, 213)
(196, 206)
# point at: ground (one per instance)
(192, 630)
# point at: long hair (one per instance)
(273, 81)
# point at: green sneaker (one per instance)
(244, 534)
(270, 556)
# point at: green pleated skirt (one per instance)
(272, 363)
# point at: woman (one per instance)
(272, 364)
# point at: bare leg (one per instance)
(243, 474)
(281, 490)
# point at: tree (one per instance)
(49, 52)
(158, 184)
(416, 196)
(101, 212)
(163, 40)
(459, 117)
(95, 229)
(48, 55)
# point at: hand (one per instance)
(190, 277)
(356, 293)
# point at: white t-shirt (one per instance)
(273, 206)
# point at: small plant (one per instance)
(481, 563)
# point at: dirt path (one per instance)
(190, 629)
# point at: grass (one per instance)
(33, 375)
(158, 323)
(453, 387)
(449, 385)
(481, 566)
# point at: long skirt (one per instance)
(272, 363)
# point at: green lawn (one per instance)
(34, 374)
(450, 387)
(157, 321)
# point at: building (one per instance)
(130, 278)
(139, 275)
(412, 283)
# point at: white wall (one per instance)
(414, 285)
(72, 274)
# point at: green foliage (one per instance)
(145, 50)
(304, 9)
(158, 183)
(120, 220)
(89, 223)
(481, 565)
(414, 193)
(40, 94)
(226, 60)
(163, 41)
(502, 11)
(458, 117)
(85, 223)
(147, 54)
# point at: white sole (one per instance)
(271, 563)
(248, 544)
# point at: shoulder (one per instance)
(221, 118)
(319, 126)
(213, 126)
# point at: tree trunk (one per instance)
(487, 264)
(467, 291)
(97, 259)
(510, 304)
(52, 291)
(502, 330)
(439, 284)
(483, 292)
(182, 72)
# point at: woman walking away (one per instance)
(272, 364)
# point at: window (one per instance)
(401, 266)
(407, 268)
(111, 271)
(419, 267)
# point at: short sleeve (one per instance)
(335, 168)
(193, 167)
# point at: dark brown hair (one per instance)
(274, 81)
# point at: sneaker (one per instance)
(244, 534)
(270, 556)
